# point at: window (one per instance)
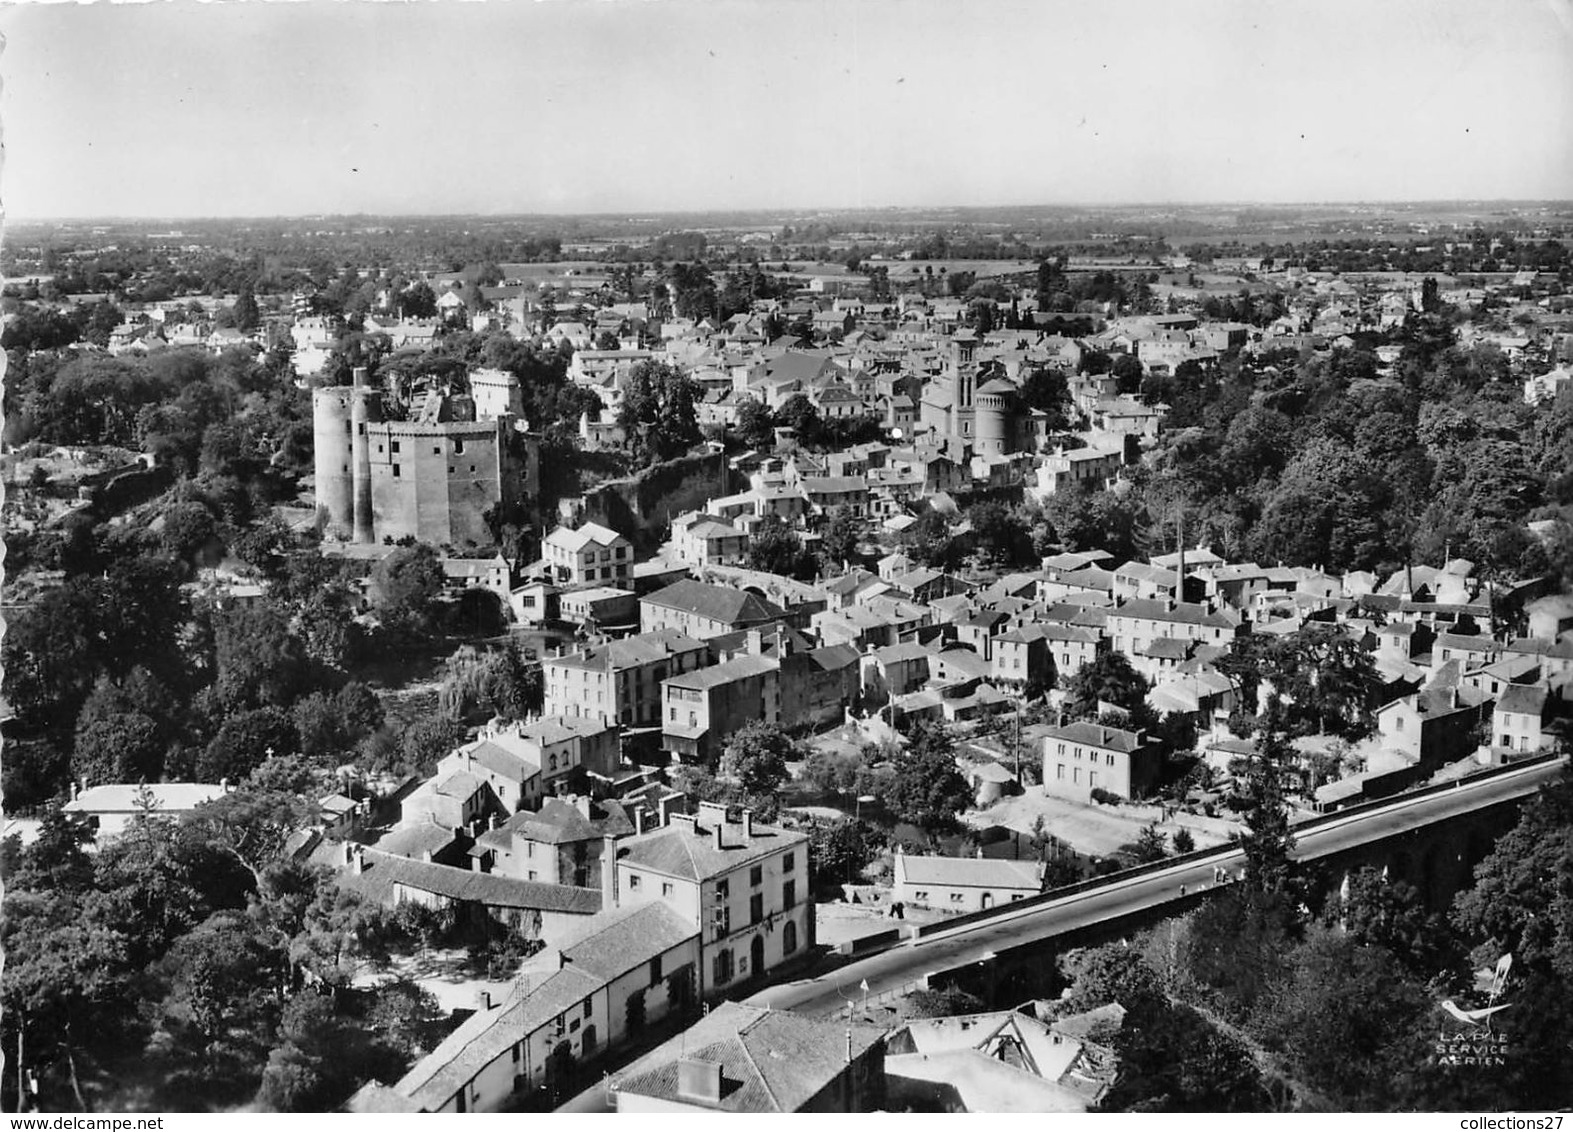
(756, 876)
(436, 450)
(723, 889)
(920, 896)
(393, 446)
(1059, 770)
(789, 938)
(789, 894)
(668, 889)
(633, 882)
(789, 862)
(395, 471)
(723, 966)
(756, 907)
(529, 848)
(955, 898)
(587, 1008)
(532, 874)
(655, 970)
(1111, 760)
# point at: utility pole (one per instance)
(1017, 744)
(21, 1081)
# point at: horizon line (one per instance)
(634, 213)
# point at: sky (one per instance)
(248, 108)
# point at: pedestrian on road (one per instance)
(1182, 890)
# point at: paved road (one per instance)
(972, 943)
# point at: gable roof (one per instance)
(718, 603)
(383, 872)
(617, 941)
(486, 1034)
(577, 540)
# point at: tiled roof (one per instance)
(617, 941)
(1528, 699)
(1096, 735)
(771, 1061)
(487, 1034)
(1182, 612)
(678, 851)
(577, 540)
(383, 871)
(500, 760)
(631, 652)
(718, 603)
(741, 668)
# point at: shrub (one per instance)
(1104, 797)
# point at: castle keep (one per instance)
(433, 477)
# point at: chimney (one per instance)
(359, 377)
(754, 642)
(608, 874)
(699, 1081)
(73, 790)
(484, 1000)
(748, 823)
(639, 820)
(426, 856)
(664, 806)
(582, 804)
(719, 830)
(360, 860)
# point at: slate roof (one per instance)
(718, 603)
(771, 1060)
(561, 823)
